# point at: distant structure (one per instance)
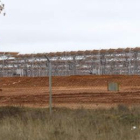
(97, 62)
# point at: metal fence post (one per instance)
(50, 84)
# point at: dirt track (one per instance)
(71, 91)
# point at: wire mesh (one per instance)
(80, 81)
(89, 91)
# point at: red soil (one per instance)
(69, 91)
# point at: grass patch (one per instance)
(19, 123)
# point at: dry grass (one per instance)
(18, 123)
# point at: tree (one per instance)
(2, 8)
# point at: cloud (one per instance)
(69, 25)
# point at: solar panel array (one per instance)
(98, 62)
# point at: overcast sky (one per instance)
(32, 26)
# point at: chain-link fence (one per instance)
(100, 90)
(71, 91)
(86, 101)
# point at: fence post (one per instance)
(50, 84)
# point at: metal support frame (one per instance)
(112, 61)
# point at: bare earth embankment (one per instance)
(70, 91)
